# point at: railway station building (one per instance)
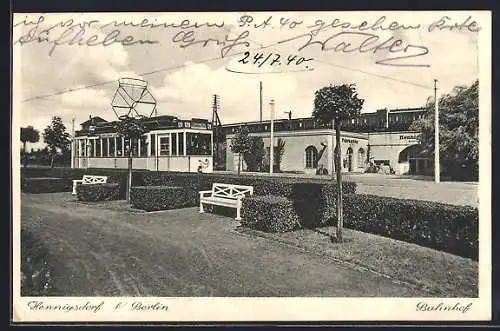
(173, 144)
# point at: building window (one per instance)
(361, 158)
(164, 146)
(311, 156)
(198, 144)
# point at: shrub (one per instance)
(449, 228)
(45, 185)
(279, 186)
(152, 198)
(69, 173)
(36, 273)
(98, 192)
(314, 200)
(269, 213)
(119, 176)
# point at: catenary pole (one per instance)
(436, 135)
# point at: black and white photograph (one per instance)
(251, 166)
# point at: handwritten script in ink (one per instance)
(290, 63)
(379, 36)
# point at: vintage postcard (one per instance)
(252, 166)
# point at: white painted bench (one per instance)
(227, 195)
(89, 179)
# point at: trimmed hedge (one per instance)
(115, 176)
(314, 199)
(45, 185)
(263, 185)
(279, 186)
(118, 176)
(450, 228)
(269, 213)
(151, 198)
(98, 192)
(67, 173)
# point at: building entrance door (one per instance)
(349, 159)
(413, 166)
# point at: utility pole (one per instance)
(260, 101)
(437, 174)
(72, 145)
(215, 130)
(271, 149)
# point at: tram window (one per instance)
(164, 146)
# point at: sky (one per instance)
(77, 81)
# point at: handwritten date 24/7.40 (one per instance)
(274, 60)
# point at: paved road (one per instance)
(455, 193)
(405, 187)
(114, 252)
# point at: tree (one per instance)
(28, 134)
(130, 128)
(332, 104)
(56, 138)
(240, 144)
(280, 151)
(458, 129)
(255, 154)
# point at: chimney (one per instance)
(90, 117)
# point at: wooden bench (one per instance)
(226, 195)
(89, 179)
